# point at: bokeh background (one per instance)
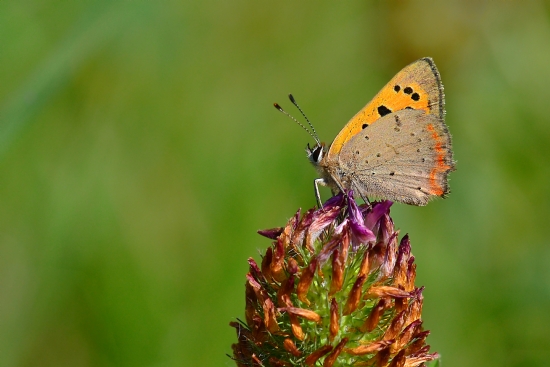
(140, 152)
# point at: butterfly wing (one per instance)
(417, 86)
(406, 157)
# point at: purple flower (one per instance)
(360, 234)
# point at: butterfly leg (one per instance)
(365, 199)
(316, 183)
(335, 188)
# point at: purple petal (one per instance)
(329, 248)
(360, 234)
(255, 270)
(340, 227)
(336, 200)
(302, 226)
(322, 219)
(272, 233)
(354, 212)
(378, 210)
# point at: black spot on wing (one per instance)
(408, 90)
(415, 97)
(397, 88)
(383, 110)
(397, 121)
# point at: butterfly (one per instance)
(397, 147)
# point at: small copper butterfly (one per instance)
(397, 147)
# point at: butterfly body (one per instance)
(397, 147)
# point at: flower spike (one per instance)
(335, 288)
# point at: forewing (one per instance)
(417, 86)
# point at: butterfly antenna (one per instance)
(298, 122)
(315, 136)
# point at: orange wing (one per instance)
(417, 86)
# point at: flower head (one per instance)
(336, 288)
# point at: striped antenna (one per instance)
(314, 136)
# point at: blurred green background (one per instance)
(140, 152)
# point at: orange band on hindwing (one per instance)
(441, 165)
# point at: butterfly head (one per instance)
(316, 153)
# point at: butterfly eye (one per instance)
(317, 154)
